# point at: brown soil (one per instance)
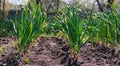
(53, 51)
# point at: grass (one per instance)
(107, 25)
(29, 26)
(74, 28)
(6, 28)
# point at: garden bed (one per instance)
(54, 51)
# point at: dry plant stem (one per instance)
(100, 7)
(58, 3)
(3, 13)
(73, 54)
(93, 43)
(74, 59)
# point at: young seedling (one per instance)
(74, 28)
(29, 26)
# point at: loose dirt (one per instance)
(54, 51)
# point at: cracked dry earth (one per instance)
(54, 51)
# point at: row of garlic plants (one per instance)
(107, 26)
(101, 27)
